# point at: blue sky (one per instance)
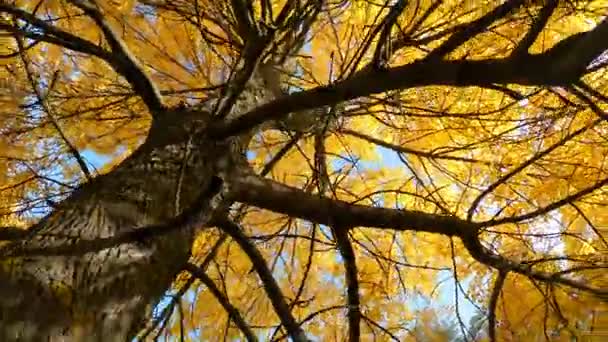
(96, 159)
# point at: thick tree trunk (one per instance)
(105, 294)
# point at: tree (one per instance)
(302, 169)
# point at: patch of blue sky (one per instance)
(251, 155)
(389, 157)
(448, 291)
(97, 160)
(149, 12)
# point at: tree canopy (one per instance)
(415, 170)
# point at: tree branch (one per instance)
(407, 150)
(280, 198)
(267, 194)
(463, 329)
(520, 167)
(537, 26)
(245, 24)
(47, 109)
(120, 59)
(543, 210)
(382, 50)
(500, 279)
(574, 54)
(381, 328)
(270, 285)
(474, 28)
(486, 257)
(123, 61)
(590, 102)
(168, 310)
(311, 316)
(51, 34)
(251, 55)
(352, 283)
(552, 68)
(12, 233)
(232, 311)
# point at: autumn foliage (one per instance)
(445, 160)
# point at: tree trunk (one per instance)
(105, 294)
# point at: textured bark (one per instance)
(104, 295)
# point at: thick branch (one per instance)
(251, 55)
(243, 14)
(383, 52)
(574, 54)
(280, 198)
(12, 233)
(476, 27)
(51, 33)
(553, 68)
(267, 194)
(232, 311)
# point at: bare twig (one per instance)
(182, 290)
(463, 329)
(407, 150)
(548, 208)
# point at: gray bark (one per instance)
(105, 294)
